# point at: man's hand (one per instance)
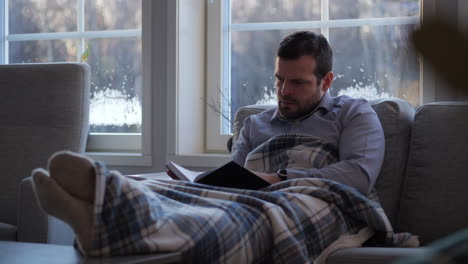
(271, 178)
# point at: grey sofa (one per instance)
(424, 178)
(43, 109)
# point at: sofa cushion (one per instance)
(7, 232)
(434, 201)
(396, 117)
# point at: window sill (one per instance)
(121, 159)
(200, 160)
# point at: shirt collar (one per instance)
(326, 103)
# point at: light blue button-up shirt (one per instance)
(350, 125)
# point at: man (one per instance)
(303, 77)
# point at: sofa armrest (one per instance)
(374, 255)
(34, 225)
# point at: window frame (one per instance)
(220, 27)
(112, 148)
(161, 90)
(185, 144)
(3, 29)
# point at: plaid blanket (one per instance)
(294, 151)
(295, 221)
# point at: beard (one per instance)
(291, 108)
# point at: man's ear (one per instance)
(327, 81)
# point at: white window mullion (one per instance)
(122, 33)
(225, 98)
(218, 78)
(335, 23)
(3, 31)
(324, 17)
(80, 26)
(145, 142)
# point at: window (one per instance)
(372, 54)
(37, 31)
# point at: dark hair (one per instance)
(308, 43)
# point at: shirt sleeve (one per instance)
(361, 151)
(242, 146)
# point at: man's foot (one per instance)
(74, 173)
(57, 202)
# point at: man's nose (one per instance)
(286, 88)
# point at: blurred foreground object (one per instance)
(452, 249)
(446, 48)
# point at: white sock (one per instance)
(55, 201)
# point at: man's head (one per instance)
(303, 73)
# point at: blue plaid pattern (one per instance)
(290, 222)
(291, 151)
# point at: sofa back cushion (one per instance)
(242, 113)
(396, 116)
(434, 201)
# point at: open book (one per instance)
(230, 175)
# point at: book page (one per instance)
(183, 173)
